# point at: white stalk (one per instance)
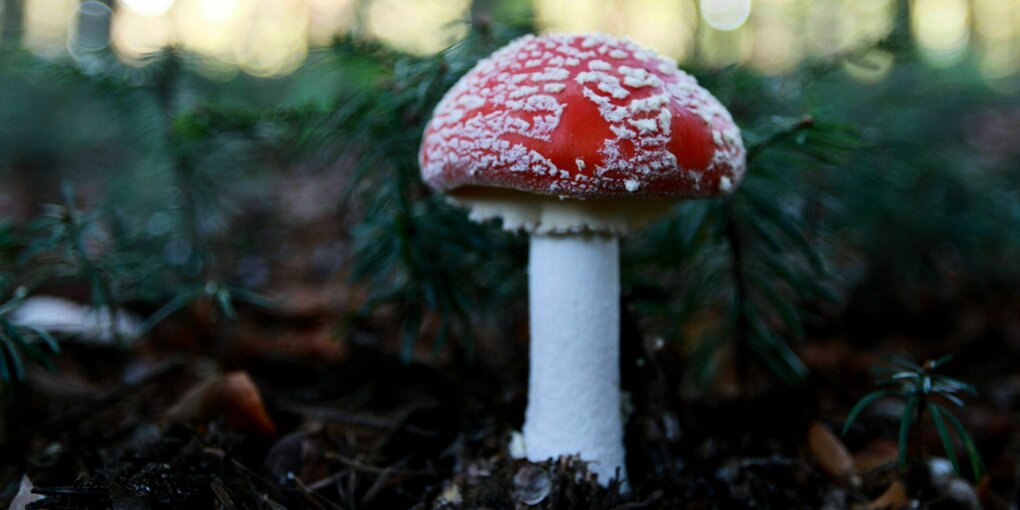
(574, 383)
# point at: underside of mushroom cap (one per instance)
(578, 124)
(544, 214)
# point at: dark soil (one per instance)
(356, 428)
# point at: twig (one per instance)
(655, 496)
(380, 481)
(311, 495)
(105, 400)
(338, 416)
(355, 464)
(805, 123)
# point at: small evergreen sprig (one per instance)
(758, 255)
(20, 342)
(63, 242)
(776, 262)
(924, 392)
(412, 250)
(8, 251)
(225, 296)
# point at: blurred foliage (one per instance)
(756, 243)
(411, 248)
(59, 247)
(884, 194)
(8, 249)
(19, 343)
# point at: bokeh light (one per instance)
(777, 47)
(274, 40)
(870, 20)
(572, 16)
(721, 48)
(420, 26)
(92, 30)
(272, 37)
(219, 11)
(148, 7)
(942, 29)
(47, 25)
(826, 27)
(329, 18)
(210, 27)
(998, 37)
(666, 26)
(725, 14)
(136, 35)
(871, 66)
(996, 19)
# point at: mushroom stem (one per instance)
(574, 384)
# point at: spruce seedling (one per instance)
(225, 296)
(924, 392)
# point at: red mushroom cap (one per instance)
(583, 116)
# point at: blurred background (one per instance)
(273, 38)
(223, 196)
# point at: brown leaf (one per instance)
(878, 453)
(316, 343)
(830, 453)
(893, 498)
(989, 500)
(232, 396)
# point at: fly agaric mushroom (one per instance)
(577, 139)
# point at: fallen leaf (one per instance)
(878, 453)
(989, 500)
(86, 323)
(831, 454)
(893, 498)
(24, 496)
(232, 396)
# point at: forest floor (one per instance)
(298, 406)
(276, 412)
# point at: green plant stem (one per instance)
(919, 464)
(740, 337)
(183, 166)
(97, 283)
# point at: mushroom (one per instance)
(577, 140)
